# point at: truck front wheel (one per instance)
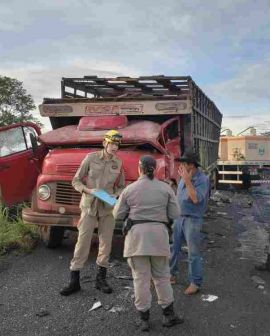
(52, 236)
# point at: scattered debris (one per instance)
(42, 313)
(108, 307)
(258, 281)
(184, 249)
(220, 198)
(129, 288)
(114, 264)
(209, 297)
(117, 309)
(219, 234)
(123, 277)
(222, 213)
(96, 305)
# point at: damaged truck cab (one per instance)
(157, 115)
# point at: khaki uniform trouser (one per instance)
(86, 226)
(145, 268)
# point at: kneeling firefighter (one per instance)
(147, 206)
(99, 170)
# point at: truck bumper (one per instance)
(38, 218)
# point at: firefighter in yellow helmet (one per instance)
(113, 136)
(99, 170)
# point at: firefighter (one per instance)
(99, 170)
(149, 205)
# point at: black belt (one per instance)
(144, 221)
(130, 222)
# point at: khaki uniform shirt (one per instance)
(96, 172)
(142, 200)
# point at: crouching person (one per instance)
(149, 204)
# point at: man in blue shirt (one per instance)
(192, 193)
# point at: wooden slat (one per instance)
(230, 181)
(227, 172)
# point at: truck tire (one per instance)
(52, 236)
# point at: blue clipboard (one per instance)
(105, 197)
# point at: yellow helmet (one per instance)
(113, 136)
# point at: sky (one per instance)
(224, 45)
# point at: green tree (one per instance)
(15, 103)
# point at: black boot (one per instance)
(74, 284)
(264, 266)
(101, 282)
(144, 316)
(170, 318)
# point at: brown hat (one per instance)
(190, 157)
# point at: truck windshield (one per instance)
(143, 147)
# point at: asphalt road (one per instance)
(234, 238)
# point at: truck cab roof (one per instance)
(135, 132)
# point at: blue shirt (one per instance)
(201, 184)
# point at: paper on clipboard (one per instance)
(104, 196)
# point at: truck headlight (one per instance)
(44, 192)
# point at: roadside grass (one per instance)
(14, 234)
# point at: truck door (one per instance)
(19, 166)
(171, 136)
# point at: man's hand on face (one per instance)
(182, 171)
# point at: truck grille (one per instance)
(66, 194)
(67, 169)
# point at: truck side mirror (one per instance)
(34, 143)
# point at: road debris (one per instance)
(258, 281)
(96, 305)
(184, 249)
(42, 313)
(130, 291)
(108, 306)
(209, 297)
(117, 309)
(222, 213)
(220, 198)
(129, 288)
(114, 264)
(124, 277)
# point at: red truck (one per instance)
(156, 115)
